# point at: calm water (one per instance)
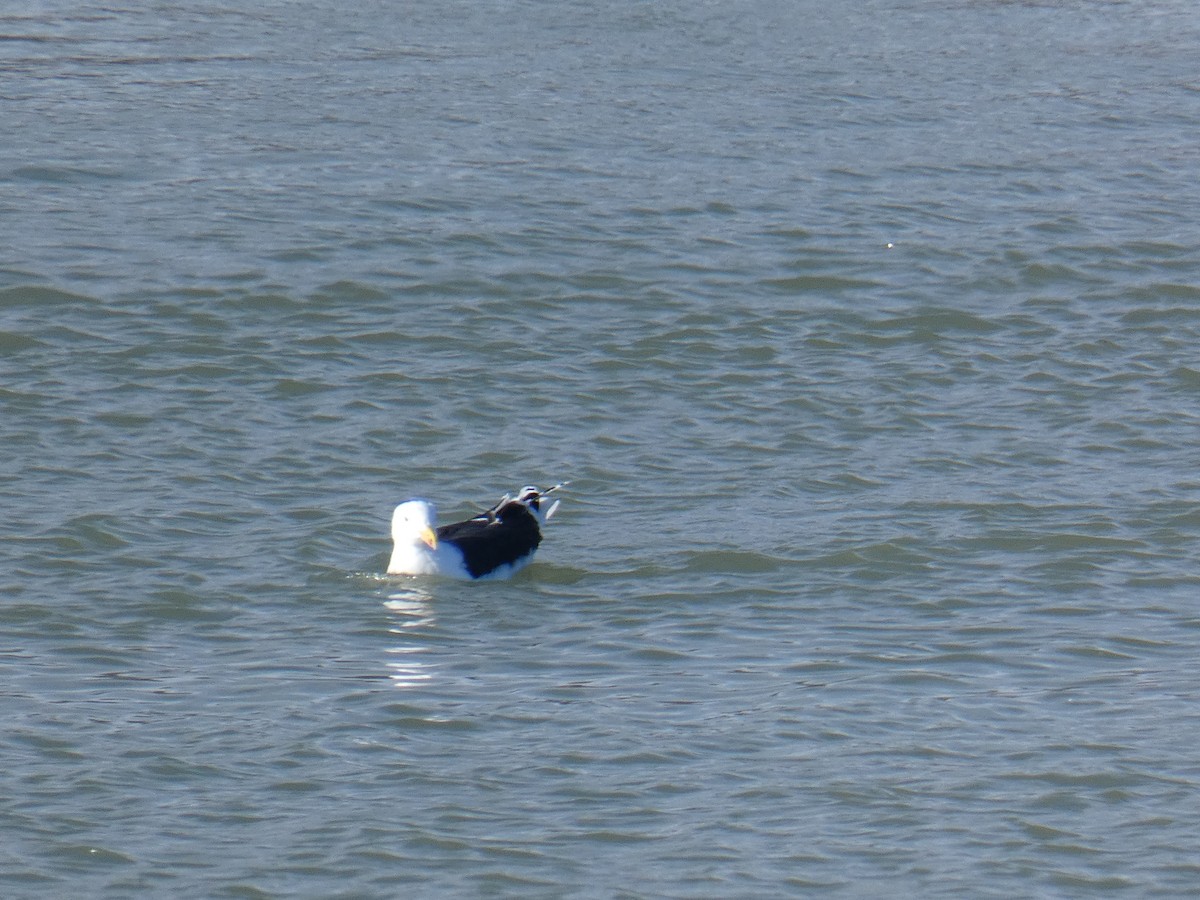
(869, 337)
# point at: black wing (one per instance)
(500, 536)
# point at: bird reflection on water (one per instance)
(412, 613)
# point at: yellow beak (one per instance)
(429, 537)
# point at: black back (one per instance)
(500, 536)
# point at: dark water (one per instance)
(867, 337)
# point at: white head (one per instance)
(414, 542)
(413, 523)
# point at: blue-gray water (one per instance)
(868, 334)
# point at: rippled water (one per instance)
(866, 336)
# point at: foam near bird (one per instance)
(493, 544)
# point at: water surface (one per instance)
(866, 336)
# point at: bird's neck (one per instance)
(412, 558)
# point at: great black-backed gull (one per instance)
(493, 544)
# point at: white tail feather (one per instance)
(529, 494)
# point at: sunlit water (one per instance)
(867, 336)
